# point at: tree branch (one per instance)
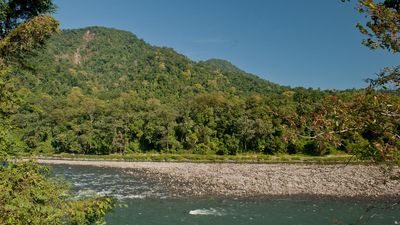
(330, 132)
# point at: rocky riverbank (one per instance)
(252, 180)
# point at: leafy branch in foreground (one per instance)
(27, 36)
(375, 115)
(367, 125)
(28, 194)
(382, 29)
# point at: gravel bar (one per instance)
(254, 180)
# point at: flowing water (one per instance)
(150, 203)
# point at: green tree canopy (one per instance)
(382, 30)
(15, 12)
(28, 195)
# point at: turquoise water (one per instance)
(150, 203)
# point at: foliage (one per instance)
(103, 91)
(382, 29)
(388, 79)
(27, 36)
(15, 12)
(366, 125)
(21, 29)
(7, 106)
(189, 157)
(29, 195)
(377, 112)
(106, 91)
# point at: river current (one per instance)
(148, 203)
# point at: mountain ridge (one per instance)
(101, 90)
(121, 55)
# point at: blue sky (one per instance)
(309, 43)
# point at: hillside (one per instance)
(100, 90)
(113, 61)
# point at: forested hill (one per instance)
(99, 91)
(108, 62)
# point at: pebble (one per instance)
(247, 180)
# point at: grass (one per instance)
(241, 158)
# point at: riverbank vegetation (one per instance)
(197, 158)
(100, 91)
(103, 91)
(107, 92)
(28, 194)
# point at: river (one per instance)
(150, 203)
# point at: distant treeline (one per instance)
(102, 91)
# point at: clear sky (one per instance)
(309, 43)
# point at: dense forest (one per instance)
(101, 91)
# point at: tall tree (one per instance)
(370, 119)
(16, 12)
(27, 193)
(382, 30)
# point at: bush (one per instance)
(295, 147)
(312, 148)
(274, 145)
(202, 149)
(29, 196)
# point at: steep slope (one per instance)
(248, 83)
(112, 61)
